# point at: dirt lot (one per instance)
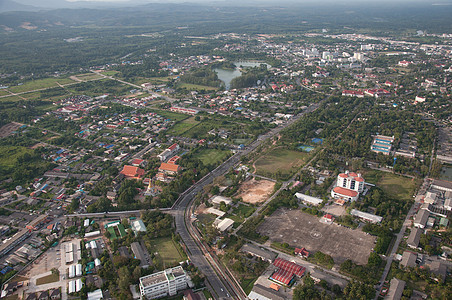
(335, 210)
(300, 229)
(255, 191)
(8, 129)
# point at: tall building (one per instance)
(164, 283)
(348, 186)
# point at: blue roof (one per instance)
(60, 151)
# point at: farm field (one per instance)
(280, 163)
(40, 84)
(179, 128)
(88, 76)
(398, 186)
(211, 157)
(171, 115)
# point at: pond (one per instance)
(227, 75)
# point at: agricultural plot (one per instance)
(88, 76)
(280, 163)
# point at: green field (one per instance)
(9, 155)
(244, 210)
(179, 128)
(397, 186)
(109, 73)
(3, 93)
(280, 162)
(211, 157)
(40, 84)
(88, 76)
(168, 251)
(48, 279)
(171, 115)
(196, 87)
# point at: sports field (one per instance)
(212, 156)
(280, 163)
(396, 186)
(168, 251)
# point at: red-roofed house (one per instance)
(132, 172)
(138, 162)
(301, 252)
(327, 218)
(173, 160)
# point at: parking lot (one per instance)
(300, 229)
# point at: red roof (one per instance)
(345, 192)
(137, 161)
(169, 167)
(283, 276)
(173, 146)
(353, 174)
(173, 159)
(359, 179)
(289, 266)
(328, 216)
(343, 175)
(131, 171)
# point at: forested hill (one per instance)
(212, 19)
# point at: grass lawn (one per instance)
(179, 128)
(168, 250)
(197, 87)
(160, 80)
(39, 84)
(247, 284)
(3, 92)
(244, 210)
(280, 163)
(212, 156)
(48, 279)
(398, 186)
(11, 98)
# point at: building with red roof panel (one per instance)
(132, 172)
(301, 252)
(286, 271)
(348, 186)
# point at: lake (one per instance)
(227, 75)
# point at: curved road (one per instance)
(218, 281)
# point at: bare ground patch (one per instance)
(255, 191)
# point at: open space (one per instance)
(48, 279)
(300, 229)
(196, 87)
(280, 162)
(88, 76)
(255, 191)
(167, 250)
(394, 185)
(180, 127)
(39, 84)
(212, 156)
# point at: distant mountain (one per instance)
(9, 5)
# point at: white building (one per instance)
(163, 283)
(223, 225)
(348, 186)
(366, 216)
(308, 199)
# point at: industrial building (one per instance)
(286, 271)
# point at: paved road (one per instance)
(219, 282)
(399, 236)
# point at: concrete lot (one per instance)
(335, 210)
(300, 229)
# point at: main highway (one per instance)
(218, 279)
